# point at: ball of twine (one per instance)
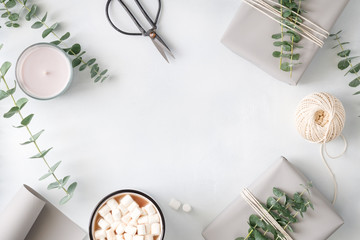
(320, 117)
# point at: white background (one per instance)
(199, 129)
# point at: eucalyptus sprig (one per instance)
(279, 208)
(6, 12)
(74, 50)
(18, 105)
(347, 60)
(288, 38)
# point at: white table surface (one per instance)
(199, 129)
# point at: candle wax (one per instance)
(43, 71)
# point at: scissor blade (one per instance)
(164, 44)
(160, 47)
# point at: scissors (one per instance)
(155, 38)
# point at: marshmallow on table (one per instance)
(113, 204)
(155, 229)
(104, 210)
(128, 236)
(154, 218)
(186, 208)
(116, 214)
(110, 235)
(100, 234)
(131, 230)
(120, 229)
(109, 218)
(175, 204)
(149, 208)
(126, 200)
(137, 237)
(123, 209)
(149, 237)
(132, 206)
(141, 230)
(135, 214)
(103, 224)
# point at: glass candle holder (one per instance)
(44, 71)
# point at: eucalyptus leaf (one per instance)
(37, 25)
(56, 42)
(71, 188)
(3, 94)
(36, 136)
(91, 61)
(45, 176)
(4, 68)
(355, 82)
(42, 154)
(44, 18)
(83, 67)
(53, 185)
(27, 120)
(65, 36)
(10, 4)
(344, 53)
(340, 44)
(75, 49)
(65, 180)
(14, 17)
(65, 199)
(46, 32)
(11, 112)
(354, 69)
(54, 167)
(76, 62)
(277, 192)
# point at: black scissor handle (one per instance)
(133, 18)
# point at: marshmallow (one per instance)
(155, 229)
(131, 230)
(100, 234)
(174, 204)
(154, 219)
(113, 204)
(133, 206)
(114, 225)
(109, 218)
(133, 223)
(110, 235)
(148, 228)
(120, 229)
(103, 224)
(126, 219)
(123, 209)
(104, 210)
(135, 214)
(143, 220)
(149, 237)
(127, 200)
(119, 237)
(116, 214)
(141, 230)
(128, 236)
(137, 237)
(143, 212)
(186, 208)
(149, 208)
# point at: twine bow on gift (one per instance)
(312, 31)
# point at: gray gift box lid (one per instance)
(317, 224)
(249, 35)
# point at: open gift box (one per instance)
(317, 224)
(249, 35)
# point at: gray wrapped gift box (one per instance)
(317, 224)
(249, 35)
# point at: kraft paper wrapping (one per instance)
(29, 216)
(249, 35)
(317, 224)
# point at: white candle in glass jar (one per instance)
(44, 71)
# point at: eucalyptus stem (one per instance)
(292, 42)
(282, 36)
(342, 49)
(32, 136)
